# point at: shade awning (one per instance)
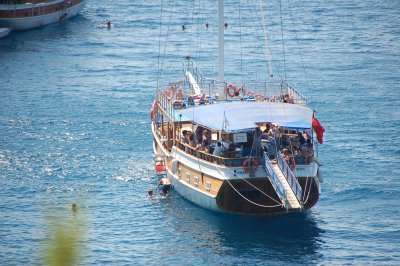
(236, 116)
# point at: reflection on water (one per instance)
(293, 238)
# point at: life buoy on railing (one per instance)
(248, 163)
(239, 90)
(166, 93)
(153, 106)
(171, 91)
(229, 91)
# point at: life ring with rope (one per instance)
(153, 107)
(239, 90)
(248, 163)
(229, 91)
(171, 91)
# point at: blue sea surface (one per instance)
(75, 128)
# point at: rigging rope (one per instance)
(266, 40)
(248, 183)
(159, 46)
(257, 204)
(301, 54)
(283, 40)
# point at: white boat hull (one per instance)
(39, 21)
(193, 195)
(4, 32)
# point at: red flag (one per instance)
(319, 129)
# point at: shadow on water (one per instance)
(293, 238)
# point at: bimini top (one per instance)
(237, 116)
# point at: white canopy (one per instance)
(237, 116)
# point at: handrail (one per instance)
(280, 190)
(229, 162)
(287, 172)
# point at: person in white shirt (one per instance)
(218, 149)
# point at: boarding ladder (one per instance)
(284, 182)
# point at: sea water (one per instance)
(74, 128)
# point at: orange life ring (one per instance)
(240, 89)
(152, 110)
(246, 165)
(166, 93)
(228, 90)
(171, 91)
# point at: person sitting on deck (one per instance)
(192, 142)
(199, 134)
(184, 138)
(287, 99)
(166, 185)
(302, 139)
(200, 145)
(218, 149)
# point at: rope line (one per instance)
(278, 204)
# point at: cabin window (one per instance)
(208, 185)
(196, 181)
(188, 177)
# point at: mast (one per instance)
(221, 79)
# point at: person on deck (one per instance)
(192, 142)
(184, 138)
(218, 149)
(198, 133)
(302, 139)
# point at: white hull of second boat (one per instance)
(39, 21)
(4, 32)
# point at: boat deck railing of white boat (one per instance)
(180, 95)
(230, 159)
(273, 90)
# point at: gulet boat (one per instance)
(23, 14)
(249, 150)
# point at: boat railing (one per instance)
(296, 95)
(273, 91)
(280, 190)
(166, 103)
(270, 90)
(226, 161)
(290, 177)
(192, 67)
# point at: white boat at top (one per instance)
(248, 149)
(23, 14)
(4, 32)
